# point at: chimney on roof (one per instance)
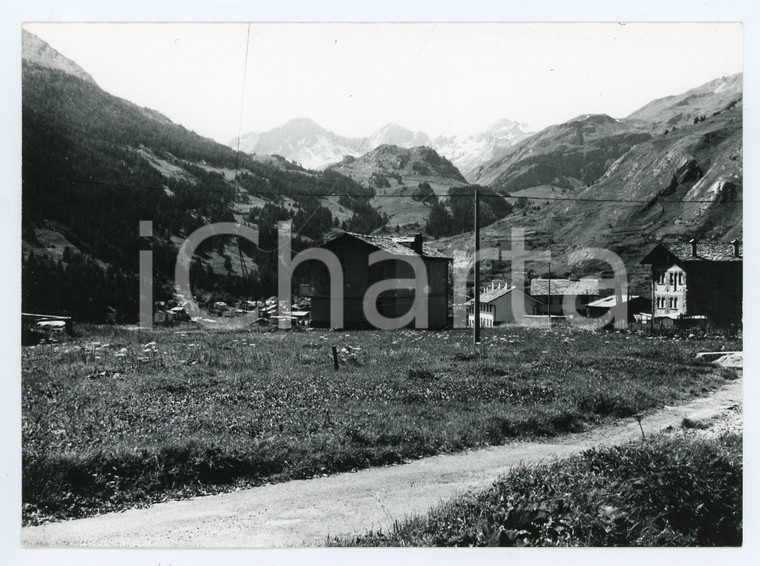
(693, 243)
(735, 243)
(417, 244)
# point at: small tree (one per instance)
(424, 193)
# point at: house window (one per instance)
(675, 302)
(680, 278)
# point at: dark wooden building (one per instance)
(353, 251)
(697, 280)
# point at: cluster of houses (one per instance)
(168, 312)
(693, 281)
(265, 311)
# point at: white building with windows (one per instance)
(496, 306)
(670, 292)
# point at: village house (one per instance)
(353, 252)
(697, 281)
(496, 305)
(634, 306)
(552, 292)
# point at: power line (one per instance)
(485, 196)
(635, 201)
(242, 100)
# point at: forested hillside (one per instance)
(94, 165)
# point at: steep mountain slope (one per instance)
(94, 165)
(34, 50)
(671, 187)
(417, 162)
(469, 152)
(396, 171)
(393, 134)
(683, 109)
(568, 155)
(579, 151)
(305, 142)
(300, 140)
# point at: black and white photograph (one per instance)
(299, 284)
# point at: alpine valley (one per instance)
(94, 165)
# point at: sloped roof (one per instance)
(609, 302)
(493, 294)
(541, 287)
(681, 252)
(393, 245)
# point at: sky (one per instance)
(443, 79)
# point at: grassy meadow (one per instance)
(666, 491)
(116, 418)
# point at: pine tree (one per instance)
(439, 222)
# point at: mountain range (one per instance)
(310, 145)
(94, 165)
(671, 171)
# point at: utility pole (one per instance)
(550, 293)
(476, 265)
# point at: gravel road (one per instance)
(306, 512)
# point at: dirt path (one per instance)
(306, 512)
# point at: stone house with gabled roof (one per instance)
(697, 280)
(552, 292)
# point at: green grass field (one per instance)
(116, 418)
(667, 491)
